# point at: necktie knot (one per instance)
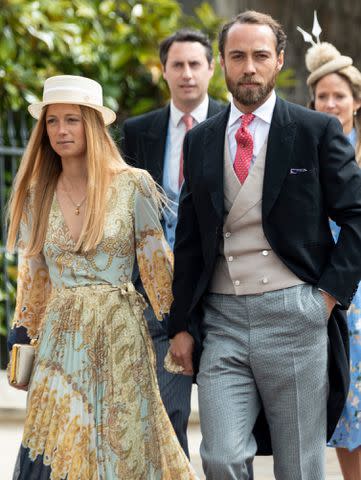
(187, 119)
(246, 119)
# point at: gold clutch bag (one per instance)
(21, 363)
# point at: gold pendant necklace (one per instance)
(76, 205)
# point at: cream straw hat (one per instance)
(75, 90)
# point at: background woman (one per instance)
(336, 89)
(80, 216)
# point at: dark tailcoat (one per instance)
(310, 176)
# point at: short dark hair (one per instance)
(185, 35)
(255, 18)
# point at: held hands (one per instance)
(181, 349)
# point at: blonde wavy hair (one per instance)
(37, 178)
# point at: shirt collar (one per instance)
(264, 111)
(199, 113)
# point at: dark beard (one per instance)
(250, 96)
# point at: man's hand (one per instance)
(181, 348)
(330, 301)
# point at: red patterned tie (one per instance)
(187, 119)
(244, 152)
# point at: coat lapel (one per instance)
(213, 157)
(279, 154)
(153, 145)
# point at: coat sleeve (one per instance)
(33, 289)
(187, 254)
(154, 256)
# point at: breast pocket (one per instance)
(301, 191)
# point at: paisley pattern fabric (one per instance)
(348, 430)
(94, 409)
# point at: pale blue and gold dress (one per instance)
(94, 410)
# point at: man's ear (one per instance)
(280, 60)
(212, 65)
(164, 73)
(221, 62)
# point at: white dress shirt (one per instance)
(173, 148)
(176, 132)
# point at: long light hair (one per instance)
(39, 172)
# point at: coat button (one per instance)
(237, 283)
(230, 259)
(227, 234)
(265, 280)
(265, 253)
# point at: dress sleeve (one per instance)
(154, 256)
(33, 289)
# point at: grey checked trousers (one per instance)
(269, 349)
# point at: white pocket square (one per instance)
(296, 171)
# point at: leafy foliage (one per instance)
(113, 41)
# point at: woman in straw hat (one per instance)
(80, 216)
(336, 90)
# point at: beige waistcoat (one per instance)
(246, 263)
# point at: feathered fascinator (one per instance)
(323, 58)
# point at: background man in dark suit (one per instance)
(154, 142)
(256, 267)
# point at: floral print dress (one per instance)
(94, 411)
(348, 430)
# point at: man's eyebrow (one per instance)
(257, 50)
